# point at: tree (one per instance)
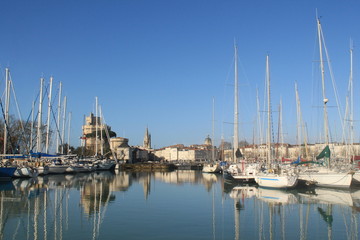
(243, 143)
(93, 133)
(82, 151)
(19, 134)
(65, 147)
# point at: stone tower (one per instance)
(147, 139)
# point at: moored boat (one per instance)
(57, 167)
(272, 180)
(26, 172)
(242, 171)
(7, 172)
(211, 168)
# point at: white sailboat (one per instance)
(325, 175)
(213, 166)
(239, 170)
(274, 176)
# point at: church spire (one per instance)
(147, 139)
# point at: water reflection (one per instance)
(90, 206)
(336, 209)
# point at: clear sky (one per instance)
(159, 63)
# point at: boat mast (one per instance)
(213, 132)
(268, 142)
(48, 117)
(298, 118)
(301, 127)
(236, 110)
(101, 133)
(7, 104)
(40, 116)
(96, 126)
(32, 126)
(280, 140)
(351, 103)
(259, 119)
(325, 100)
(63, 126)
(58, 120)
(68, 141)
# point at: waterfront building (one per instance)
(338, 150)
(120, 146)
(202, 152)
(195, 152)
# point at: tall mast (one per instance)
(259, 118)
(7, 104)
(68, 141)
(96, 126)
(213, 131)
(58, 120)
(268, 142)
(63, 126)
(351, 102)
(101, 133)
(236, 110)
(83, 137)
(298, 118)
(325, 100)
(280, 130)
(32, 126)
(48, 117)
(39, 137)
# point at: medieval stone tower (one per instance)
(147, 139)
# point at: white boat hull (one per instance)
(26, 172)
(104, 166)
(43, 170)
(243, 171)
(211, 168)
(276, 181)
(327, 179)
(57, 169)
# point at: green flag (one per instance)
(325, 153)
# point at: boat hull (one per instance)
(7, 172)
(26, 172)
(327, 179)
(356, 178)
(43, 170)
(57, 169)
(242, 172)
(276, 181)
(211, 168)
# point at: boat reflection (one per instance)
(275, 208)
(47, 207)
(342, 197)
(243, 191)
(276, 197)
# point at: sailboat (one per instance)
(213, 166)
(242, 171)
(324, 174)
(274, 176)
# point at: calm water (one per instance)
(171, 205)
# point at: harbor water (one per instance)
(182, 204)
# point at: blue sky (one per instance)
(159, 63)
